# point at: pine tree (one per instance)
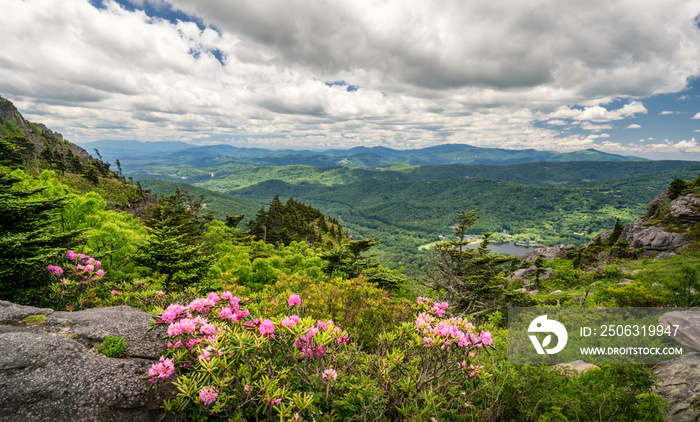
(28, 241)
(471, 278)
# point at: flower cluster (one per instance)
(162, 370)
(309, 343)
(444, 333)
(208, 395)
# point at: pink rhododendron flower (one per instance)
(162, 370)
(213, 297)
(485, 337)
(89, 268)
(330, 373)
(90, 261)
(200, 305)
(291, 321)
(294, 300)
(100, 272)
(246, 388)
(98, 263)
(70, 255)
(226, 313)
(159, 293)
(274, 402)
(172, 312)
(55, 269)
(421, 300)
(115, 292)
(208, 329)
(208, 395)
(226, 295)
(267, 328)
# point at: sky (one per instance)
(618, 76)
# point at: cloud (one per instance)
(667, 112)
(296, 72)
(697, 116)
(633, 126)
(598, 113)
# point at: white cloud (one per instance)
(667, 112)
(426, 74)
(697, 116)
(633, 126)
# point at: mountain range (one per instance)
(182, 153)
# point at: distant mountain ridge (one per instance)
(180, 152)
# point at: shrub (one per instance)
(113, 347)
(290, 365)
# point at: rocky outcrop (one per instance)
(50, 371)
(548, 253)
(689, 322)
(653, 238)
(680, 378)
(680, 385)
(528, 274)
(685, 209)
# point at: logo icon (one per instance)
(543, 325)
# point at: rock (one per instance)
(665, 255)
(578, 366)
(625, 281)
(684, 209)
(533, 292)
(93, 325)
(51, 372)
(549, 254)
(653, 238)
(524, 273)
(657, 201)
(680, 385)
(11, 312)
(555, 292)
(689, 332)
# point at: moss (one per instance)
(35, 319)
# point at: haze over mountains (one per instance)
(180, 152)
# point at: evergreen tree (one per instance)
(28, 241)
(616, 232)
(471, 278)
(677, 188)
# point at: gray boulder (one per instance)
(50, 371)
(653, 238)
(664, 255)
(688, 333)
(548, 253)
(684, 209)
(680, 385)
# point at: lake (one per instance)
(509, 248)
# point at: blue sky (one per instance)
(621, 77)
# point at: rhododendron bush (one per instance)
(228, 362)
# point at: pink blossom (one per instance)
(291, 321)
(213, 297)
(247, 388)
(330, 373)
(208, 395)
(70, 255)
(267, 328)
(159, 293)
(55, 269)
(98, 263)
(485, 337)
(115, 292)
(294, 300)
(193, 342)
(91, 260)
(200, 305)
(208, 329)
(162, 370)
(100, 272)
(226, 313)
(275, 401)
(226, 295)
(89, 268)
(172, 312)
(176, 345)
(421, 300)
(235, 303)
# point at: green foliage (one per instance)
(35, 319)
(685, 286)
(113, 347)
(471, 279)
(294, 221)
(28, 237)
